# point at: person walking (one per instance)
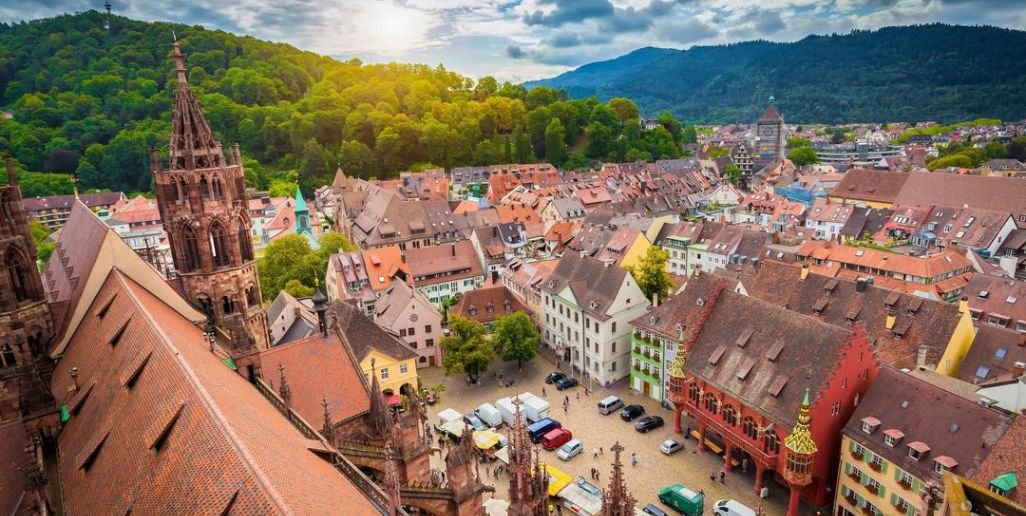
(566, 409)
(722, 475)
(601, 451)
(578, 395)
(543, 392)
(634, 459)
(594, 453)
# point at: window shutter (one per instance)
(847, 468)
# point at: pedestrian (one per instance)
(594, 453)
(744, 464)
(566, 399)
(722, 475)
(634, 459)
(543, 392)
(566, 409)
(598, 476)
(578, 396)
(712, 476)
(601, 451)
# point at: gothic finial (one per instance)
(283, 387)
(179, 58)
(328, 427)
(618, 501)
(391, 479)
(12, 176)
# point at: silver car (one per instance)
(671, 446)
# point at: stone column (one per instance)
(759, 471)
(678, 411)
(728, 449)
(792, 503)
(701, 436)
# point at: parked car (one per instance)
(648, 423)
(609, 404)
(671, 446)
(683, 499)
(732, 508)
(632, 411)
(556, 438)
(565, 383)
(538, 430)
(475, 422)
(653, 510)
(555, 376)
(571, 449)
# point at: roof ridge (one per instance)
(206, 399)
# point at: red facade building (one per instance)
(752, 374)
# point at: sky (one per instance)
(530, 39)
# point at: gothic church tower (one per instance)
(203, 205)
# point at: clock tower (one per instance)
(770, 134)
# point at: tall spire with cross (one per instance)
(617, 500)
(192, 142)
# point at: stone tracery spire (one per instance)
(192, 142)
(617, 501)
(380, 420)
(528, 491)
(283, 387)
(328, 427)
(392, 484)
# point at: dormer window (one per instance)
(892, 436)
(917, 449)
(870, 424)
(944, 463)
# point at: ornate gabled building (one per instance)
(528, 482)
(202, 198)
(25, 324)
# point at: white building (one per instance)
(588, 305)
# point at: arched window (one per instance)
(710, 403)
(216, 191)
(251, 297)
(694, 394)
(730, 415)
(245, 244)
(190, 250)
(771, 442)
(205, 304)
(219, 245)
(7, 356)
(227, 305)
(749, 427)
(204, 189)
(17, 275)
(6, 209)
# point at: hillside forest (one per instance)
(79, 99)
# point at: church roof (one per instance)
(771, 115)
(300, 202)
(160, 424)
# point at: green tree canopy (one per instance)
(514, 337)
(466, 349)
(803, 156)
(651, 273)
(732, 173)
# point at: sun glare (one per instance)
(392, 27)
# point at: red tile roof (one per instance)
(485, 305)
(13, 441)
(319, 368)
(1008, 455)
(161, 425)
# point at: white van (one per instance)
(489, 414)
(609, 405)
(732, 508)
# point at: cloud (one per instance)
(770, 23)
(564, 40)
(515, 52)
(685, 32)
(569, 11)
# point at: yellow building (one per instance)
(625, 247)
(379, 352)
(905, 435)
(961, 341)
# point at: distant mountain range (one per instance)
(925, 72)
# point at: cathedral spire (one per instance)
(192, 142)
(618, 501)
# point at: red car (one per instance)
(556, 438)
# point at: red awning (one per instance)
(393, 399)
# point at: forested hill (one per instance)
(926, 72)
(93, 101)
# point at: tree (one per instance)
(690, 135)
(298, 290)
(718, 152)
(514, 337)
(732, 173)
(356, 158)
(795, 142)
(803, 156)
(331, 242)
(466, 349)
(650, 272)
(954, 160)
(555, 147)
(286, 259)
(625, 109)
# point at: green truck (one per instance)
(683, 499)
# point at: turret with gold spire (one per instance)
(678, 380)
(801, 450)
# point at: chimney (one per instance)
(921, 356)
(860, 285)
(402, 257)
(453, 247)
(805, 272)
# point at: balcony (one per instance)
(875, 465)
(905, 484)
(873, 488)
